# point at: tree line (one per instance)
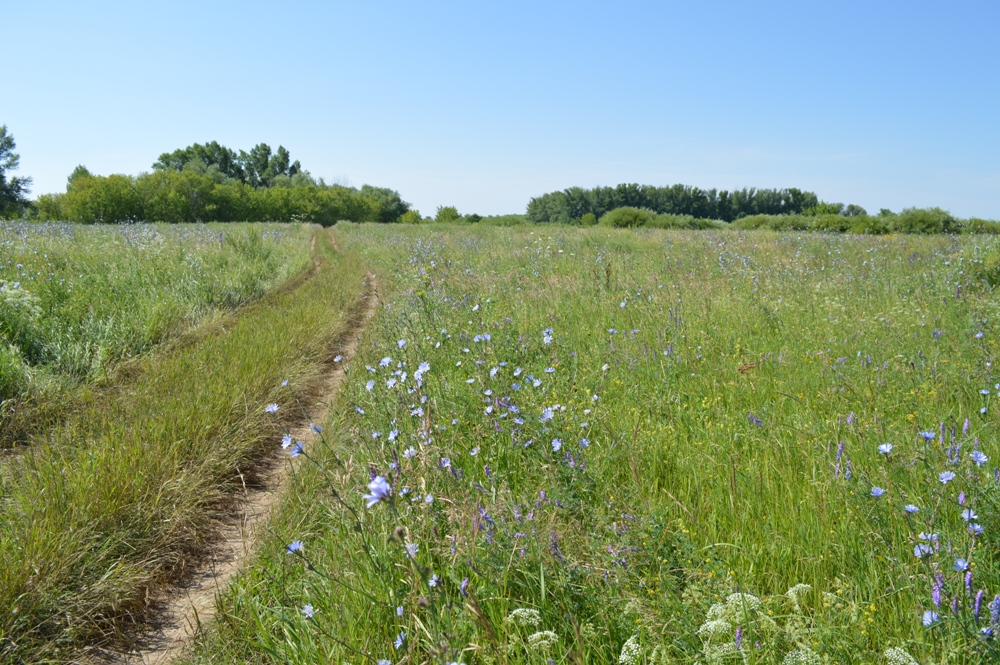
(201, 183)
(571, 205)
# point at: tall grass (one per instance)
(77, 300)
(702, 420)
(118, 497)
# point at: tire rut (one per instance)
(183, 608)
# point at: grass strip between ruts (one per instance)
(123, 495)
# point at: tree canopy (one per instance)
(570, 205)
(13, 189)
(257, 168)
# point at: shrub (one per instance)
(447, 215)
(775, 222)
(976, 225)
(505, 220)
(831, 223)
(627, 217)
(410, 217)
(685, 222)
(588, 219)
(924, 220)
(868, 225)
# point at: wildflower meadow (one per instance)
(566, 446)
(550, 445)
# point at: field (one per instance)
(563, 445)
(76, 301)
(125, 489)
(619, 431)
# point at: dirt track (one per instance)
(184, 608)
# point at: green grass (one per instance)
(740, 363)
(79, 303)
(77, 300)
(124, 492)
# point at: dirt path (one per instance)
(185, 607)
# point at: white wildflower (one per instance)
(801, 657)
(899, 656)
(744, 602)
(524, 617)
(716, 629)
(796, 592)
(631, 652)
(542, 640)
(720, 654)
(717, 611)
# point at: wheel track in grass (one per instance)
(185, 607)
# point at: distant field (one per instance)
(615, 432)
(77, 300)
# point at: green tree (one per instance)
(212, 153)
(447, 215)
(80, 171)
(13, 190)
(390, 205)
(824, 208)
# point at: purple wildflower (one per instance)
(379, 489)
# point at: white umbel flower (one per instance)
(542, 640)
(524, 617)
(899, 656)
(801, 657)
(631, 652)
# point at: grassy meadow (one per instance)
(122, 492)
(562, 445)
(76, 301)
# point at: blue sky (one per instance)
(483, 105)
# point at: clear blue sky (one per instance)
(483, 105)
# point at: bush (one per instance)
(868, 225)
(447, 215)
(775, 222)
(628, 217)
(410, 217)
(685, 222)
(504, 220)
(976, 225)
(589, 219)
(924, 220)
